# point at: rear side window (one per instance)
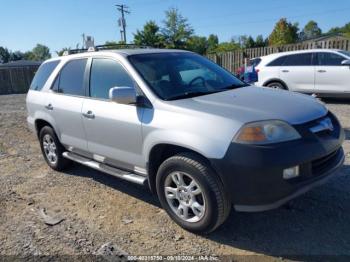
(254, 62)
(277, 62)
(298, 60)
(71, 79)
(105, 74)
(330, 59)
(43, 74)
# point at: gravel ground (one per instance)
(97, 209)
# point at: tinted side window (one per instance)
(298, 60)
(277, 62)
(43, 74)
(254, 62)
(72, 78)
(105, 74)
(329, 59)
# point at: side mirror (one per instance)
(123, 95)
(346, 62)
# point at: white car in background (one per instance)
(325, 72)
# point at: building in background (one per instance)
(322, 41)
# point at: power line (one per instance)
(122, 22)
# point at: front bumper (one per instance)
(253, 175)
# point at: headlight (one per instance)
(266, 132)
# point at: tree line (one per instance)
(177, 32)
(38, 53)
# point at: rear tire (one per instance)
(52, 149)
(191, 193)
(277, 85)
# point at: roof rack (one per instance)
(103, 47)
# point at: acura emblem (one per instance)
(327, 124)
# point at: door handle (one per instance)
(285, 71)
(49, 107)
(89, 114)
(321, 71)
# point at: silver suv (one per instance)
(201, 139)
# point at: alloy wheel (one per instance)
(50, 149)
(185, 196)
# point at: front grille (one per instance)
(323, 125)
(315, 129)
(322, 164)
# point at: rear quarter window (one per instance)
(43, 73)
(254, 62)
(277, 62)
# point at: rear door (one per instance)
(113, 130)
(66, 101)
(331, 76)
(298, 72)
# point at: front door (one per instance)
(113, 130)
(330, 75)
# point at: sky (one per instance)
(60, 23)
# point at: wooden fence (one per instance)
(235, 59)
(16, 80)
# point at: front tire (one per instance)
(52, 149)
(191, 193)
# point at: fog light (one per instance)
(291, 172)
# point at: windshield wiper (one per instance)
(233, 86)
(202, 93)
(191, 94)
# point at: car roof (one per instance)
(301, 51)
(138, 51)
(268, 58)
(122, 52)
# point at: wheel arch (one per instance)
(276, 80)
(161, 152)
(39, 123)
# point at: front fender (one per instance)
(207, 147)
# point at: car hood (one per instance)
(252, 103)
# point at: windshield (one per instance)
(180, 75)
(345, 53)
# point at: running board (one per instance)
(105, 168)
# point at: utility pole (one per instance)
(122, 22)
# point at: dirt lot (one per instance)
(98, 209)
